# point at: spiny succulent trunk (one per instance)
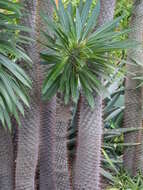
(87, 166)
(88, 157)
(48, 120)
(6, 160)
(47, 147)
(133, 97)
(106, 11)
(28, 133)
(61, 162)
(14, 142)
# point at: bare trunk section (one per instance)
(106, 11)
(6, 160)
(28, 134)
(14, 141)
(133, 155)
(88, 158)
(61, 162)
(46, 160)
(87, 166)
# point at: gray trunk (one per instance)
(106, 11)
(61, 169)
(47, 147)
(87, 166)
(48, 124)
(6, 160)
(28, 134)
(88, 157)
(133, 155)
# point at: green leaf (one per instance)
(89, 98)
(78, 24)
(7, 119)
(71, 25)
(81, 5)
(114, 113)
(52, 90)
(69, 8)
(84, 82)
(63, 16)
(106, 27)
(53, 75)
(92, 20)
(109, 161)
(85, 11)
(6, 96)
(107, 175)
(16, 71)
(2, 117)
(20, 93)
(6, 82)
(87, 92)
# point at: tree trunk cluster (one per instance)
(41, 161)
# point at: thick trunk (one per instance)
(87, 167)
(28, 133)
(6, 160)
(133, 97)
(88, 157)
(61, 169)
(48, 122)
(47, 146)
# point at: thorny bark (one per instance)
(28, 133)
(6, 159)
(133, 155)
(48, 119)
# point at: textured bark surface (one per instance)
(6, 160)
(28, 134)
(133, 156)
(48, 122)
(14, 141)
(61, 165)
(47, 146)
(88, 158)
(106, 11)
(87, 167)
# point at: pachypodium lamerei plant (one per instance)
(76, 51)
(13, 80)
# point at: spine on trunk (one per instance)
(28, 133)
(87, 166)
(6, 160)
(133, 114)
(47, 147)
(61, 161)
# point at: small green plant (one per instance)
(125, 182)
(76, 52)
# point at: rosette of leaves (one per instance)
(13, 80)
(77, 51)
